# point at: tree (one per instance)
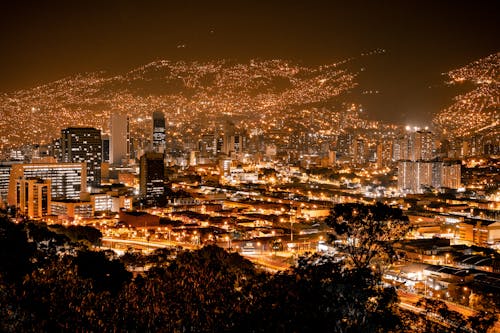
(15, 251)
(106, 274)
(206, 290)
(85, 234)
(321, 295)
(48, 245)
(482, 321)
(367, 232)
(161, 257)
(133, 259)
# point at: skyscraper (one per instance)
(83, 144)
(152, 175)
(407, 147)
(424, 145)
(158, 132)
(119, 152)
(414, 176)
(344, 145)
(105, 148)
(416, 167)
(359, 151)
(451, 174)
(229, 132)
(237, 143)
(417, 145)
(406, 176)
(207, 145)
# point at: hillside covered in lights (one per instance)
(193, 95)
(479, 106)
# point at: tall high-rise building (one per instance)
(437, 174)
(414, 176)
(83, 144)
(219, 144)
(225, 167)
(33, 197)
(119, 152)
(385, 153)
(345, 145)
(406, 147)
(424, 145)
(451, 175)
(359, 151)
(380, 155)
(416, 167)
(159, 132)
(406, 176)
(68, 180)
(397, 151)
(105, 148)
(152, 176)
(229, 131)
(237, 144)
(417, 145)
(207, 145)
(491, 145)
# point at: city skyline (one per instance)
(249, 166)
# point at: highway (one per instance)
(263, 259)
(408, 300)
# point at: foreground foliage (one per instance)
(64, 287)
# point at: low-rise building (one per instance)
(72, 209)
(139, 219)
(479, 232)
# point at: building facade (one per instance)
(83, 145)
(119, 151)
(159, 141)
(152, 176)
(68, 180)
(33, 197)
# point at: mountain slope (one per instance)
(478, 109)
(187, 92)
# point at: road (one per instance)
(268, 261)
(143, 244)
(408, 300)
(412, 298)
(264, 259)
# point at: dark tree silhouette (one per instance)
(86, 234)
(133, 259)
(15, 251)
(105, 274)
(207, 290)
(482, 321)
(321, 295)
(367, 232)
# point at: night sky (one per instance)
(46, 40)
